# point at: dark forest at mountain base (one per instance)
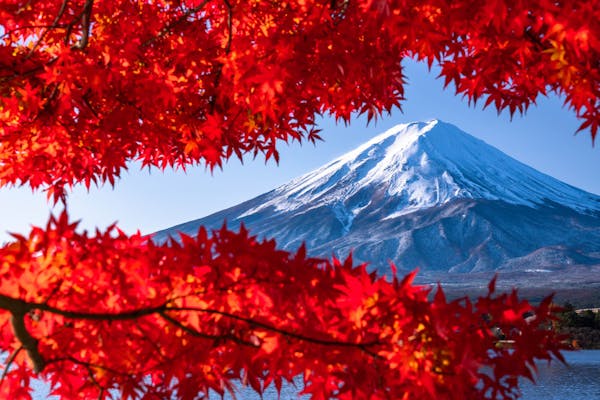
(579, 319)
(584, 297)
(582, 326)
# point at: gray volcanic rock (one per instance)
(427, 195)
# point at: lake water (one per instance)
(580, 380)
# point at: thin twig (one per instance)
(151, 342)
(32, 71)
(26, 27)
(271, 328)
(54, 24)
(196, 333)
(86, 364)
(60, 282)
(94, 381)
(167, 29)
(219, 65)
(229, 26)
(9, 362)
(86, 100)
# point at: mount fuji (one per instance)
(427, 195)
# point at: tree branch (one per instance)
(30, 344)
(162, 309)
(19, 308)
(123, 316)
(167, 29)
(85, 25)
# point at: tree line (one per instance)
(582, 326)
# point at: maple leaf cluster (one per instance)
(88, 86)
(115, 313)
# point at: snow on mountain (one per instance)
(425, 165)
(427, 195)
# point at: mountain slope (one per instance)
(427, 195)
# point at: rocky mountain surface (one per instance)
(427, 195)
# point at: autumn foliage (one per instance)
(88, 86)
(93, 313)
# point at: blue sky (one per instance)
(543, 138)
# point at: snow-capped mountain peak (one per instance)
(427, 195)
(421, 165)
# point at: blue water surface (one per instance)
(578, 380)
